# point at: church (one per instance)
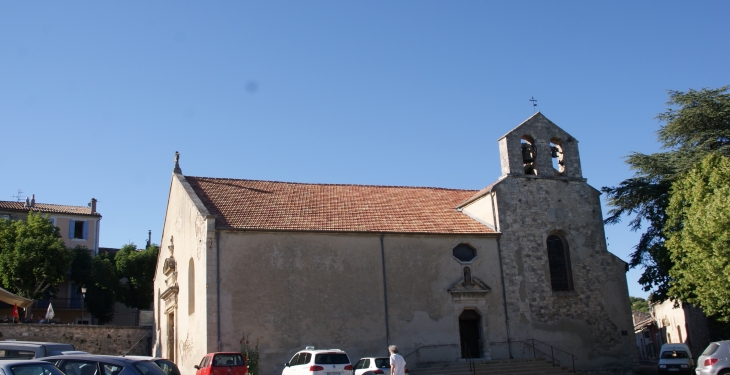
(518, 268)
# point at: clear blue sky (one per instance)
(95, 97)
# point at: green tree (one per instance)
(698, 236)
(639, 304)
(33, 257)
(80, 265)
(99, 275)
(101, 292)
(136, 268)
(696, 123)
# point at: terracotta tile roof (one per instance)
(639, 316)
(641, 320)
(47, 208)
(267, 205)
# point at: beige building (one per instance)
(78, 226)
(445, 274)
(682, 323)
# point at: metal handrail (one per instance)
(552, 353)
(60, 303)
(418, 356)
(472, 366)
(531, 343)
(428, 346)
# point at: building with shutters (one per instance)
(445, 274)
(78, 226)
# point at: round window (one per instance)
(464, 253)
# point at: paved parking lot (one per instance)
(648, 368)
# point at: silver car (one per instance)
(11, 349)
(27, 367)
(715, 360)
(373, 366)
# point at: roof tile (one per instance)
(268, 205)
(47, 208)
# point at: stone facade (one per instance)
(360, 291)
(92, 339)
(592, 319)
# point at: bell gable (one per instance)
(538, 147)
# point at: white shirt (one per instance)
(400, 364)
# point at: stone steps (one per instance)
(511, 367)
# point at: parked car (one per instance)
(11, 349)
(88, 364)
(222, 363)
(373, 366)
(28, 367)
(715, 360)
(165, 364)
(318, 362)
(675, 359)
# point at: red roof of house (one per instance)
(47, 208)
(268, 205)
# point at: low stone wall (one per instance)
(93, 339)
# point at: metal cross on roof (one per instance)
(534, 104)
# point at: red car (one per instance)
(222, 364)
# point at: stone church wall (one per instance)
(109, 340)
(287, 290)
(187, 234)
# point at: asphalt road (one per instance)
(648, 368)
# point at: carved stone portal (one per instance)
(469, 287)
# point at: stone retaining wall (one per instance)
(93, 339)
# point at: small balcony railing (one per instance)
(60, 303)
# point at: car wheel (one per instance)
(724, 372)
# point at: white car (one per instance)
(373, 366)
(676, 359)
(312, 361)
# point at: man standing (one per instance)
(397, 363)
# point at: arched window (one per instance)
(191, 287)
(529, 154)
(556, 152)
(679, 333)
(559, 259)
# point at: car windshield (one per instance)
(711, 349)
(331, 359)
(35, 369)
(228, 360)
(671, 354)
(382, 362)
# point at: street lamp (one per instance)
(83, 296)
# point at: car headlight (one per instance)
(662, 366)
(684, 366)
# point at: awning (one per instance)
(12, 299)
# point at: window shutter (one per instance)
(86, 230)
(71, 226)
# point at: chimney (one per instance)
(93, 205)
(27, 202)
(32, 201)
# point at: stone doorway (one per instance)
(470, 334)
(171, 337)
